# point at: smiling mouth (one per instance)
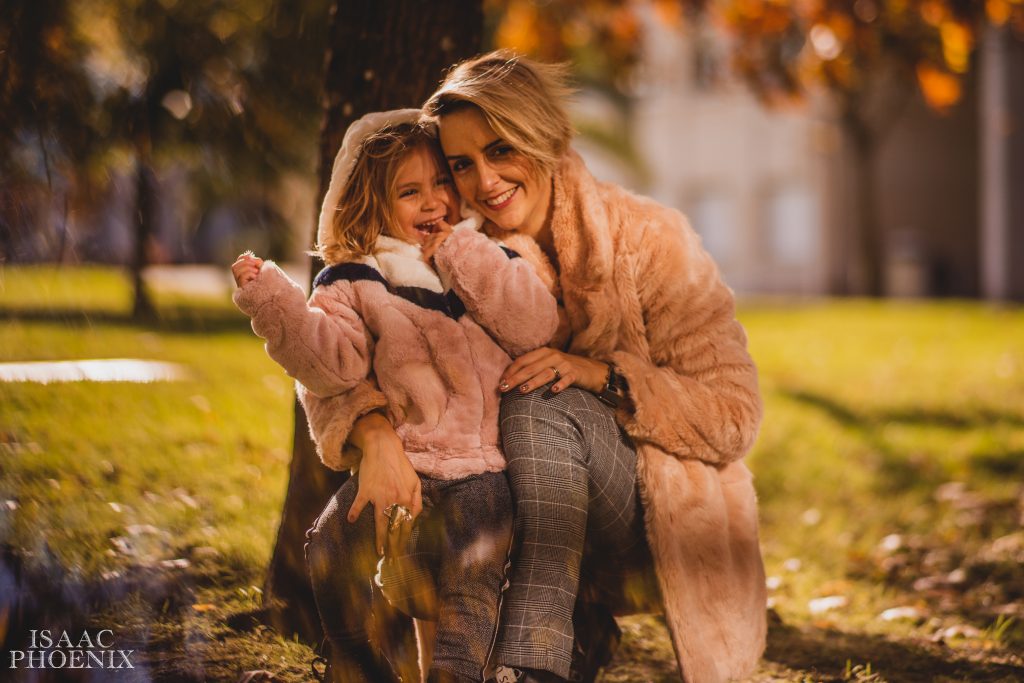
(502, 200)
(428, 227)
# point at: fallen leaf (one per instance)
(901, 614)
(827, 604)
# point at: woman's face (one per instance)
(493, 176)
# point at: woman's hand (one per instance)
(540, 366)
(435, 240)
(386, 476)
(246, 268)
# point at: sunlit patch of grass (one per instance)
(102, 477)
(870, 408)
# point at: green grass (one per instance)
(870, 408)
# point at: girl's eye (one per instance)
(443, 180)
(406, 193)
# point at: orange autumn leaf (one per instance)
(957, 43)
(519, 28)
(998, 11)
(941, 90)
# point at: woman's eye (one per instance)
(459, 165)
(502, 150)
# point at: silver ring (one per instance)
(558, 375)
(397, 514)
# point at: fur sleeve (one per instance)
(504, 295)
(324, 344)
(331, 419)
(699, 397)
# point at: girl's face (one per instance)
(492, 175)
(423, 196)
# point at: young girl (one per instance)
(434, 314)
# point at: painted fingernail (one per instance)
(503, 386)
(524, 388)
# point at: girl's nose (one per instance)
(430, 200)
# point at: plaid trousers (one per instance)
(573, 476)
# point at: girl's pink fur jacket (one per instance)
(437, 341)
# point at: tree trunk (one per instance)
(145, 188)
(381, 55)
(870, 255)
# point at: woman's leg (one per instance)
(342, 560)
(573, 475)
(476, 513)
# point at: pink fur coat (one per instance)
(436, 341)
(640, 291)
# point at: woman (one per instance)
(650, 329)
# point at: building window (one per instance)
(714, 219)
(793, 238)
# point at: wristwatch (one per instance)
(615, 388)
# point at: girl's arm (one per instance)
(323, 344)
(501, 291)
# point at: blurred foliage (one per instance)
(783, 48)
(227, 90)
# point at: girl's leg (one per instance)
(476, 513)
(573, 475)
(342, 562)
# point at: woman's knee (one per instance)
(541, 417)
(542, 402)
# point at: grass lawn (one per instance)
(889, 467)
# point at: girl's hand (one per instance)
(246, 268)
(386, 476)
(540, 366)
(434, 241)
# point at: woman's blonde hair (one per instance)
(365, 211)
(524, 101)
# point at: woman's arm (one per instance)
(503, 293)
(385, 474)
(324, 345)
(386, 477)
(696, 395)
(331, 420)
